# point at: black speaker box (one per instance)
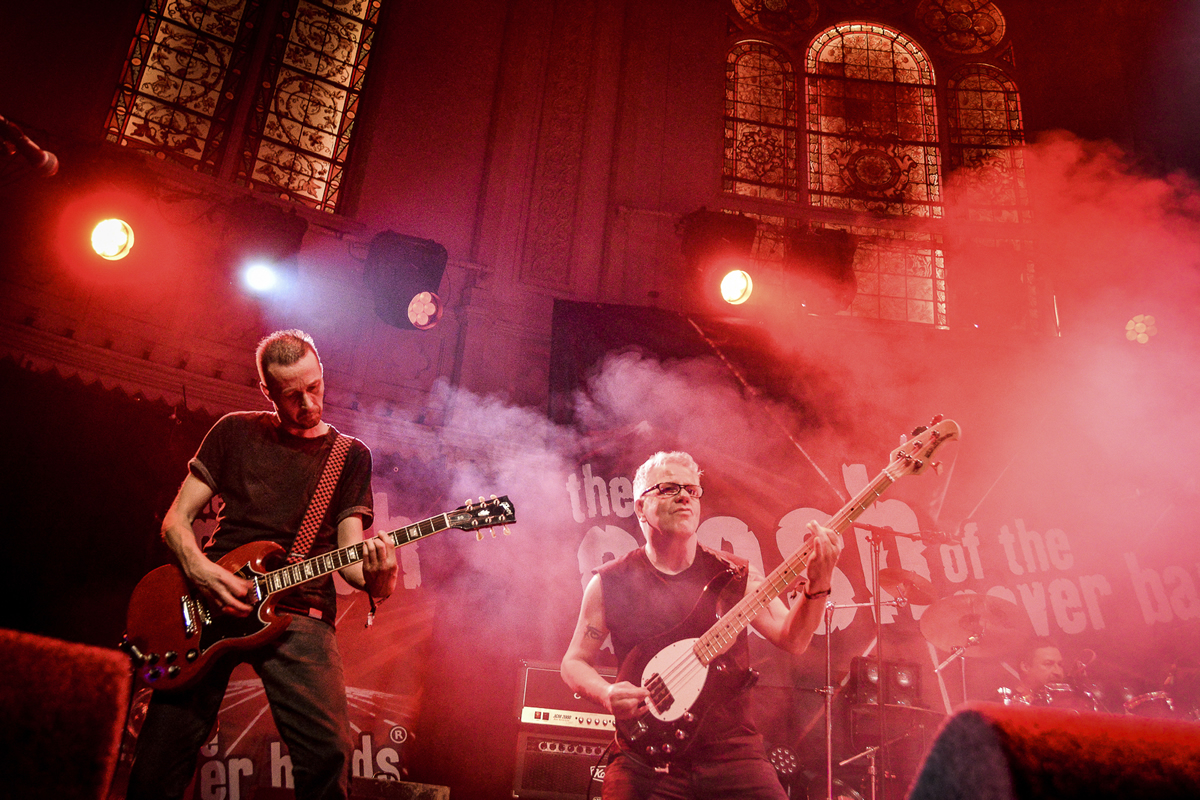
(553, 766)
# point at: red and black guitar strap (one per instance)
(330, 474)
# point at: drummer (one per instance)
(1040, 665)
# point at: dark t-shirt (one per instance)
(640, 602)
(266, 478)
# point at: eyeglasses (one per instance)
(672, 489)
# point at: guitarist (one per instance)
(265, 467)
(652, 589)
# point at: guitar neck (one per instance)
(717, 639)
(317, 566)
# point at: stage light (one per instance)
(1140, 329)
(260, 277)
(717, 245)
(112, 239)
(425, 311)
(404, 273)
(736, 287)
(261, 244)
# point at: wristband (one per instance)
(815, 595)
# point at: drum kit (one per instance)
(987, 628)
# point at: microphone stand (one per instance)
(876, 538)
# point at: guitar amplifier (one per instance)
(563, 738)
(544, 700)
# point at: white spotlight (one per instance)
(1140, 329)
(260, 278)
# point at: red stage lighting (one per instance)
(736, 287)
(112, 239)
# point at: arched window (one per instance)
(984, 121)
(871, 122)
(760, 123)
(873, 159)
(189, 69)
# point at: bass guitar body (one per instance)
(172, 623)
(682, 687)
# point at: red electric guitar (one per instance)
(173, 635)
(685, 669)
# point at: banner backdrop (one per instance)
(1043, 503)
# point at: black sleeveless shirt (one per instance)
(641, 602)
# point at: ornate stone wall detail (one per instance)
(556, 178)
(784, 17)
(963, 26)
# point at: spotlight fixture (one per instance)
(260, 277)
(736, 287)
(261, 243)
(112, 239)
(404, 273)
(1141, 328)
(717, 245)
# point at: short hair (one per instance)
(283, 348)
(661, 458)
(1033, 645)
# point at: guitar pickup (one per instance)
(194, 615)
(660, 695)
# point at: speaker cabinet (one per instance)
(554, 766)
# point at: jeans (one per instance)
(744, 779)
(301, 672)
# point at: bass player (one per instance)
(647, 593)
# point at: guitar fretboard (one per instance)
(294, 574)
(717, 639)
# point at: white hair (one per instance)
(661, 458)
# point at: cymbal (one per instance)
(909, 585)
(987, 626)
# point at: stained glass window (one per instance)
(302, 120)
(984, 121)
(872, 123)
(188, 68)
(760, 123)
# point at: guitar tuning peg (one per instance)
(903, 439)
(493, 533)
(495, 498)
(506, 531)
(479, 536)
(936, 466)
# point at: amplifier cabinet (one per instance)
(554, 766)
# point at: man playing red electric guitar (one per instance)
(265, 466)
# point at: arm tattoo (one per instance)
(593, 632)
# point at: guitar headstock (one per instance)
(914, 454)
(483, 514)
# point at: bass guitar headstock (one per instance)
(915, 454)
